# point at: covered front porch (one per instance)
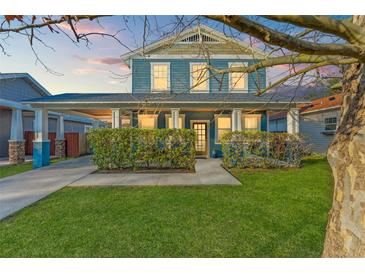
(210, 115)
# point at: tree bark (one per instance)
(345, 236)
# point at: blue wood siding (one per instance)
(180, 75)
(278, 125)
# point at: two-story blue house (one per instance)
(171, 87)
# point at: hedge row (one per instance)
(262, 149)
(143, 148)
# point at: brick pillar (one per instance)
(16, 152)
(60, 148)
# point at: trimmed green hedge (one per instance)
(260, 149)
(143, 148)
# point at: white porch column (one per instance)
(16, 142)
(175, 117)
(237, 119)
(115, 118)
(41, 125)
(60, 142)
(16, 125)
(41, 144)
(60, 131)
(292, 119)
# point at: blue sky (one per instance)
(84, 69)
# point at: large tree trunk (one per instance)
(345, 235)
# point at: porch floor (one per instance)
(208, 172)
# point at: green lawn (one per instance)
(277, 213)
(6, 171)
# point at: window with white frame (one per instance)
(169, 121)
(147, 120)
(199, 77)
(126, 120)
(160, 77)
(223, 125)
(251, 122)
(238, 80)
(330, 123)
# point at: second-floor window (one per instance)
(160, 77)
(238, 80)
(199, 77)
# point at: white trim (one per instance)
(168, 77)
(191, 78)
(245, 77)
(208, 133)
(292, 121)
(167, 116)
(216, 116)
(250, 115)
(115, 118)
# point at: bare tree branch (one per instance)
(271, 36)
(342, 28)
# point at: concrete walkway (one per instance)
(208, 172)
(21, 190)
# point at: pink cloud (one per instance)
(111, 61)
(84, 27)
(87, 70)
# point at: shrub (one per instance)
(143, 148)
(244, 149)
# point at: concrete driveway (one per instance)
(21, 190)
(208, 172)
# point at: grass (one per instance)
(6, 171)
(275, 213)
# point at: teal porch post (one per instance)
(41, 144)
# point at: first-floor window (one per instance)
(147, 120)
(126, 121)
(251, 122)
(223, 125)
(330, 123)
(169, 121)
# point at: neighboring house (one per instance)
(171, 87)
(16, 119)
(318, 121)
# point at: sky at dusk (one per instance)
(86, 68)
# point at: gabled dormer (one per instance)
(178, 64)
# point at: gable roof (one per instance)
(324, 103)
(206, 35)
(329, 102)
(29, 79)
